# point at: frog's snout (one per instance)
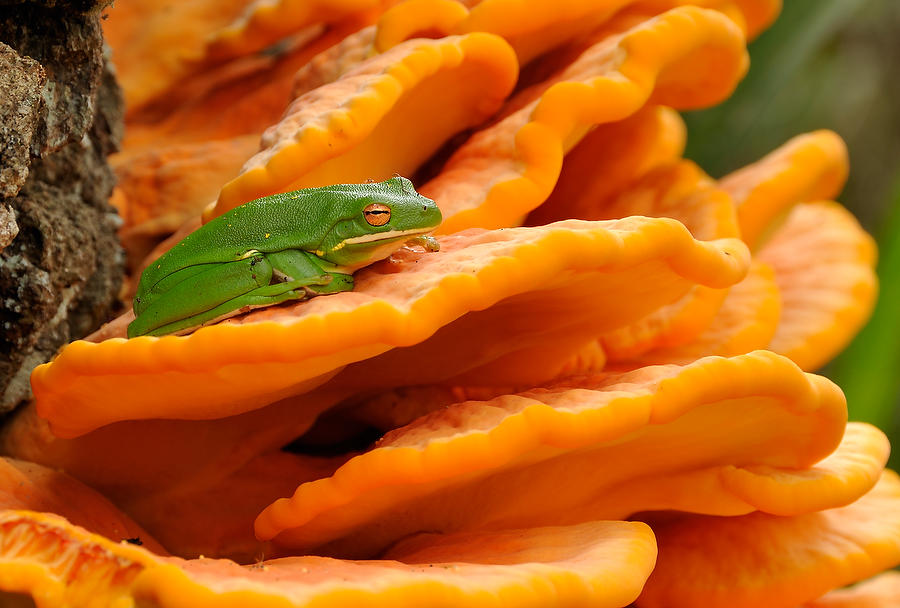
(431, 213)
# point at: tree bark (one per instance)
(60, 117)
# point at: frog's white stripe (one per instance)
(381, 236)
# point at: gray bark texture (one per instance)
(60, 116)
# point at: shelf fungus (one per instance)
(803, 556)
(753, 16)
(608, 159)
(718, 436)
(163, 186)
(810, 167)
(813, 284)
(878, 592)
(824, 265)
(160, 47)
(568, 404)
(746, 320)
(601, 564)
(369, 123)
(532, 27)
(679, 190)
(175, 157)
(155, 44)
(509, 168)
(25, 486)
(483, 287)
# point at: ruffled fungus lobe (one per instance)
(334, 61)
(508, 169)
(509, 489)
(176, 156)
(600, 564)
(158, 47)
(368, 124)
(809, 167)
(608, 159)
(265, 22)
(509, 276)
(758, 14)
(824, 266)
(161, 187)
(746, 321)
(630, 431)
(28, 486)
(155, 43)
(822, 259)
(802, 557)
(880, 591)
(85, 569)
(532, 27)
(813, 283)
(753, 16)
(535, 27)
(679, 190)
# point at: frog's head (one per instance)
(377, 220)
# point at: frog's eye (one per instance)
(377, 214)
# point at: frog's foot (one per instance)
(428, 243)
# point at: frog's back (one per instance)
(290, 220)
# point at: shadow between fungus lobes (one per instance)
(288, 246)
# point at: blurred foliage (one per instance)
(831, 64)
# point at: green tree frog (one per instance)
(288, 246)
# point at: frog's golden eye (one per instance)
(377, 214)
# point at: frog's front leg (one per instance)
(293, 264)
(428, 243)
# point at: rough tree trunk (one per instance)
(60, 116)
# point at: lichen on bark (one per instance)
(60, 116)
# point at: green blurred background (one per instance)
(831, 64)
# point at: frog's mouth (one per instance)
(382, 245)
(390, 235)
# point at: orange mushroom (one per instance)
(368, 124)
(602, 564)
(608, 160)
(28, 486)
(720, 562)
(824, 266)
(175, 159)
(154, 42)
(506, 170)
(158, 48)
(746, 321)
(532, 27)
(809, 167)
(679, 190)
(667, 435)
(814, 283)
(753, 16)
(504, 461)
(213, 515)
(881, 591)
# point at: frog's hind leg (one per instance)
(225, 289)
(202, 291)
(262, 296)
(142, 301)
